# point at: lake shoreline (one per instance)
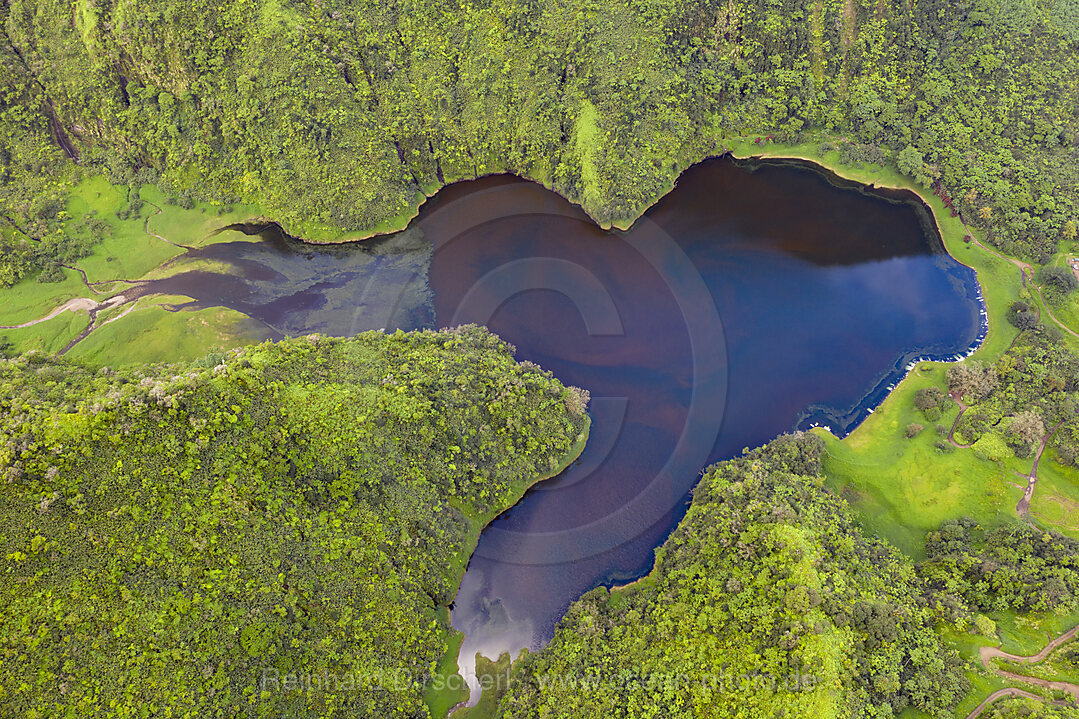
(478, 527)
(741, 149)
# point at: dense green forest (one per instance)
(1014, 566)
(178, 540)
(337, 116)
(768, 580)
(770, 600)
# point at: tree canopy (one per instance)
(337, 116)
(181, 540)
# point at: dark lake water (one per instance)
(752, 300)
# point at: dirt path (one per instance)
(1025, 267)
(962, 408)
(1060, 324)
(1012, 693)
(1023, 508)
(1027, 272)
(1068, 687)
(987, 654)
(78, 304)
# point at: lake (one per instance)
(756, 298)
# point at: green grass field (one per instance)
(128, 252)
(49, 336)
(30, 300)
(902, 488)
(153, 334)
(1056, 500)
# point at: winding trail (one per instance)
(1023, 508)
(1027, 273)
(987, 654)
(76, 305)
(1010, 693)
(962, 408)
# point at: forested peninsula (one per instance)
(181, 540)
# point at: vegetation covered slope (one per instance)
(336, 115)
(767, 601)
(179, 540)
(1014, 566)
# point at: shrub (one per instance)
(991, 446)
(51, 273)
(1060, 278)
(1028, 426)
(972, 379)
(928, 397)
(985, 626)
(913, 429)
(1023, 315)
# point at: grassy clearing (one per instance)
(150, 333)
(195, 227)
(30, 300)
(448, 689)
(49, 336)
(1056, 500)
(128, 252)
(903, 488)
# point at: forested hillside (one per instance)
(181, 539)
(337, 115)
(767, 601)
